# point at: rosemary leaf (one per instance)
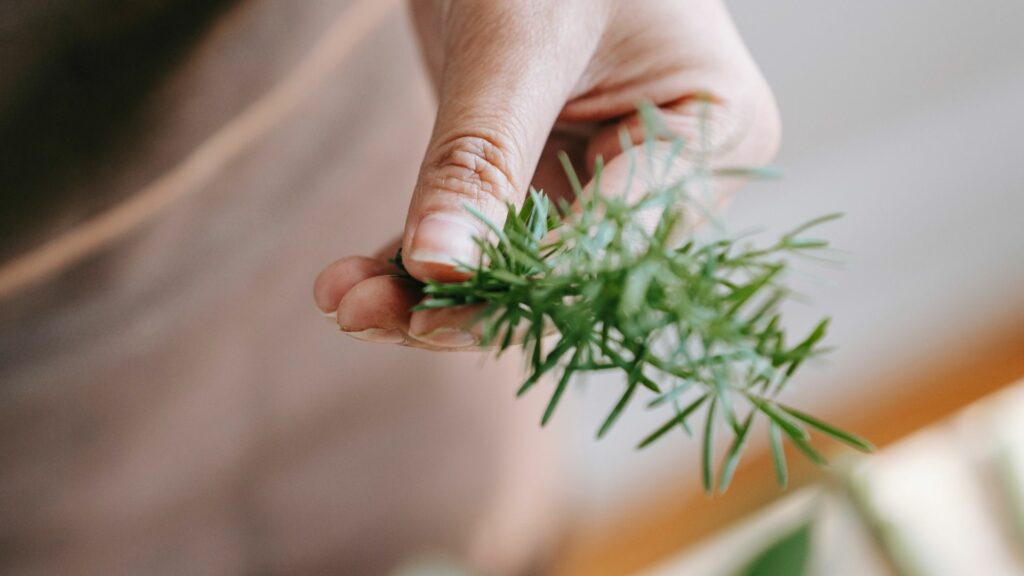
(665, 305)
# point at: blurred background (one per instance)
(174, 173)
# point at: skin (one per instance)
(518, 82)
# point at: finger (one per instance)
(693, 130)
(337, 279)
(462, 327)
(378, 309)
(457, 327)
(738, 130)
(503, 81)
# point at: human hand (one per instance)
(517, 83)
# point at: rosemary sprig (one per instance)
(696, 325)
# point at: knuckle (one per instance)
(744, 127)
(475, 166)
(754, 130)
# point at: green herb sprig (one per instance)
(695, 326)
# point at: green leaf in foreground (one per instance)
(787, 556)
(672, 308)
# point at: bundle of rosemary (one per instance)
(695, 326)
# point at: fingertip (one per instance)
(379, 302)
(447, 328)
(440, 243)
(436, 271)
(335, 281)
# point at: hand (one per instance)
(517, 83)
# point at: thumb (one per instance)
(508, 69)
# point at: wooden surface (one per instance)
(945, 501)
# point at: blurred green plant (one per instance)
(891, 541)
(694, 324)
(787, 556)
(1009, 472)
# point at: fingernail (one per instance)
(445, 239)
(379, 335)
(331, 317)
(448, 338)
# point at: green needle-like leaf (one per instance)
(805, 446)
(707, 454)
(617, 410)
(560, 389)
(781, 419)
(732, 459)
(841, 435)
(679, 418)
(813, 223)
(665, 306)
(778, 455)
